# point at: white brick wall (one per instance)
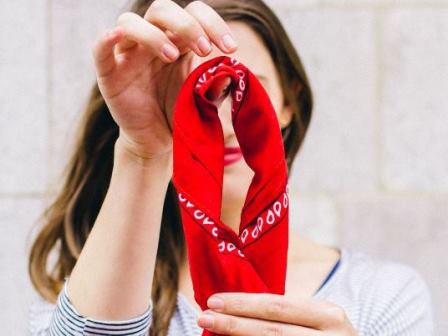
(373, 172)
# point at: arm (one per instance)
(110, 285)
(113, 276)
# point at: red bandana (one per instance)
(219, 259)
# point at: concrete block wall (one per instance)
(373, 171)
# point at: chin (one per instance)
(239, 169)
(237, 178)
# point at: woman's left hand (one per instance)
(248, 314)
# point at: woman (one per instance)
(113, 275)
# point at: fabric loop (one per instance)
(221, 260)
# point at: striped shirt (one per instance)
(380, 297)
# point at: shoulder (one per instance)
(383, 297)
(62, 318)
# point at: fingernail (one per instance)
(228, 42)
(206, 320)
(169, 51)
(215, 303)
(204, 45)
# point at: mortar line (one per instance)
(363, 6)
(373, 193)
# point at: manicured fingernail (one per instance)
(169, 51)
(228, 41)
(204, 45)
(206, 320)
(215, 303)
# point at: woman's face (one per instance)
(253, 54)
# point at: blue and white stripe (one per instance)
(380, 298)
(66, 320)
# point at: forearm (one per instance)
(113, 276)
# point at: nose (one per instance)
(225, 116)
(223, 105)
(219, 92)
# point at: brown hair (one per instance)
(68, 220)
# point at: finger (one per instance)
(103, 51)
(141, 31)
(309, 312)
(214, 25)
(168, 15)
(238, 326)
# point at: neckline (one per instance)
(334, 272)
(324, 287)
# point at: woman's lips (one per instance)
(232, 154)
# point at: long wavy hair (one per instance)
(65, 224)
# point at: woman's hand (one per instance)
(247, 314)
(142, 63)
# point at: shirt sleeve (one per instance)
(406, 305)
(64, 319)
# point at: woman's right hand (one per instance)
(142, 63)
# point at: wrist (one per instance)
(159, 163)
(141, 157)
